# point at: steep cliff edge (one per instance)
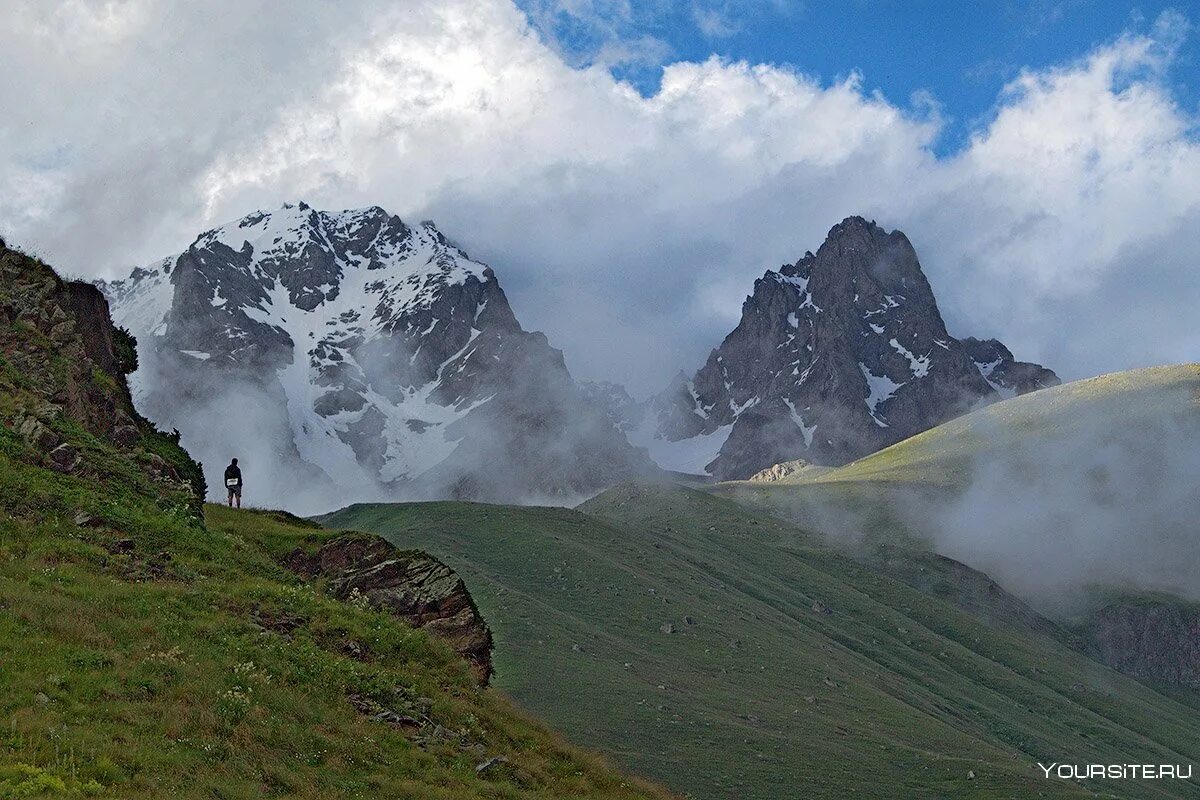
(66, 405)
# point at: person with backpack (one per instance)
(233, 483)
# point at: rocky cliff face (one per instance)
(837, 355)
(411, 585)
(66, 402)
(1157, 641)
(360, 354)
(614, 402)
(1003, 372)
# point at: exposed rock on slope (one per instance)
(355, 352)
(1155, 640)
(836, 356)
(786, 470)
(62, 375)
(410, 584)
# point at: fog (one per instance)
(520, 432)
(1078, 500)
(237, 419)
(1112, 503)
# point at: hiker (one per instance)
(233, 483)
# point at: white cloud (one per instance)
(656, 213)
(715, 23)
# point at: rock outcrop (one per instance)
(836, 356)
(786, 471)
(64, 375)
(1154, 640)
(409, 584)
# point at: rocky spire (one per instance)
(836, 355)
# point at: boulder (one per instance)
(64, 458)
(409, 584)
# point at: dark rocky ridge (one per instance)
(1157, 641)
(836, 356)
(1007, 375)
(64, 379)
(409, 584)
(614, 401)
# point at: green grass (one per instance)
(151, 647)
(756, 692)
(134, 675)
(943, 456)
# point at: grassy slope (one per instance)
(943, 455)
(144, 654)
(755, 692)
(134, 685)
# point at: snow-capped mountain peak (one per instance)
(376, 340)
(836, 355)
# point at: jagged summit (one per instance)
(369, 354)
(838, 354)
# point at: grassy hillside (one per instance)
(152, 648)
(212, 672)
(1123, 402)
(1112, 459)
(1082, 499)
(725, 653)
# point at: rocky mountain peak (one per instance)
(836, 355)
(371, 354)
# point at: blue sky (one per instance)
(961, 53)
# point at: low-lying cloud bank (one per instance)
(1065, 497)
(1107, 508)
(627, 227)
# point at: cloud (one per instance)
(715, 23)
(587, 32)
(628, 227)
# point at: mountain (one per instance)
(728, 653)
(837, 355)
(354, 353)
(615, 403)
(156, 648)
